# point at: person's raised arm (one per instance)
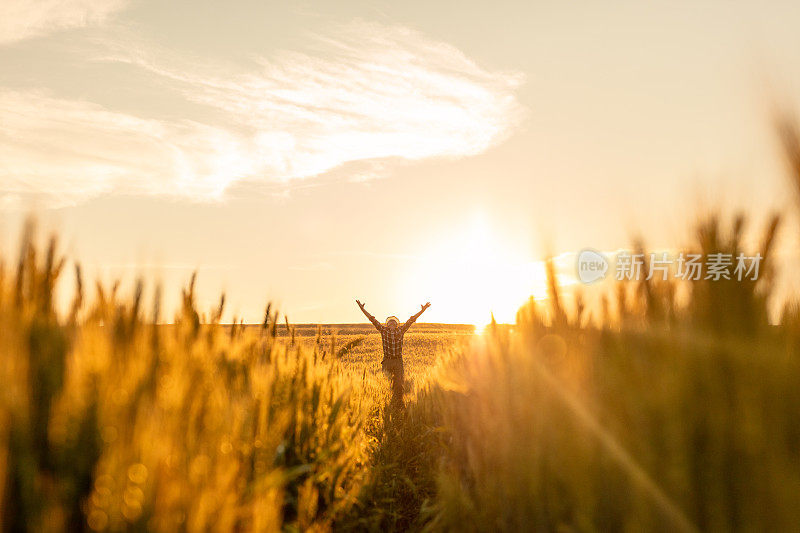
(369, 316)
(415, 317)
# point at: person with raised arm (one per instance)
(392, 337)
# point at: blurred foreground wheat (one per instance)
(110, 420)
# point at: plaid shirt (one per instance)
(392, 337)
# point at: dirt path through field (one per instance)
(401, 478)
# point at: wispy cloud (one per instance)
(70, 150)
(23, 19)
(364, 93)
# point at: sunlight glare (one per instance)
(472, 273)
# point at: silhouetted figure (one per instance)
(392, 336)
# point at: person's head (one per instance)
(392, 322)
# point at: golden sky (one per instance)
(395, 152)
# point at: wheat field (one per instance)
(654, 413)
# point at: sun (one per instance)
(472, 274)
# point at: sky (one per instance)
(394, 152)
